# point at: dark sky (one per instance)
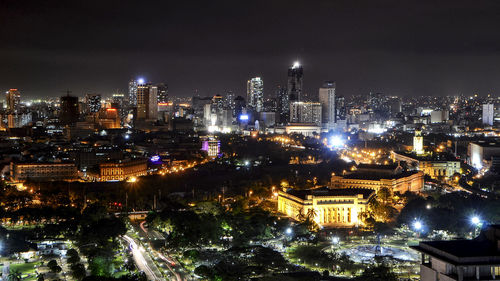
(397, 47)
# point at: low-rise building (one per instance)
(481, 154)
(377, 176)
(122, 169)
(461, 260)
(20, 172)
(331, 207)
(442, 165)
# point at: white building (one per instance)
(255, 93)
(488, 112)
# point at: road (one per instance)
(171, 263)
(143, 262)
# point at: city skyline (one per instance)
(405, 49)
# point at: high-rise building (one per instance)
(13, 100)
(340, 108)
(147, 101)
(69, 113)
(305, 112)
(488, 112)
(283, 105)
(162, 92)
(294, 86)
(255, 93)
(93, 103)
(327, 100)
(239, 105)
(132, 91)
(229, 101)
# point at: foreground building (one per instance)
(460, 260)
(377, 176)
(332, 207)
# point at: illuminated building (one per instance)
(462, 260)
(327, 100)
(482, 154)
(13, 100)
(43, 171)
(306, 129)
(147, 102)
(69, 113)
(305, 112)
(255, 94)
(132, 92)
(331, 207)
(122, 169)
(434, 165)
(93, 103)
(162, 92)
(211, 146)
(283, 109)
(294, 85)
(378, 176)
(109, 118)
(418, 142)
(488, 114)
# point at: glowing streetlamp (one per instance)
(289, 231)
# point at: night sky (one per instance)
(396, 47)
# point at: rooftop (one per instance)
(378, 176)
(325, 191)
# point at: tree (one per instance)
(40, 277)
(379, 272)
(14, 275)
(78, 271)
(384, 194)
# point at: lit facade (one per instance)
(13, 100)
(327, 100)
(255, 94)
(147, 102)
(404, 181)
(331, 207)
(433, 166)
(122, 169)
(488, 114)
(305, 112)
(43, 171)
(418, 142)
(294, 85)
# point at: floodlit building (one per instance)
(377, 176)
(306, 129)
(433, 165)
(418, 142)
(331, 207)
(119, 170)
(20, 172)
(483, 154)
(147, 102)
(462, 260)
(305, 112)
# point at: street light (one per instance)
(417, 225)
(288, 231)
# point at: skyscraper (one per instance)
(147, 102)
(162, 93)
(13, 100)
(327, 100)
(68, 114)
(283, 105)
(93, 103)
(305, 112)
(294, 86)
(132, 91)
(255, 94)
(488, 112)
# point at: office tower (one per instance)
(162, 92)
(327, 100)
(305, 112)
(395, 105)
(283, 105)
(13, 100)
(340, 108)
(255, 94)
(488, 112)
(229, 101)
(132, 91)
(294, 86)
(147, 102)
(93, 103)
(118, 102)
(239, 105)
(69, 113)
(217, 104)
